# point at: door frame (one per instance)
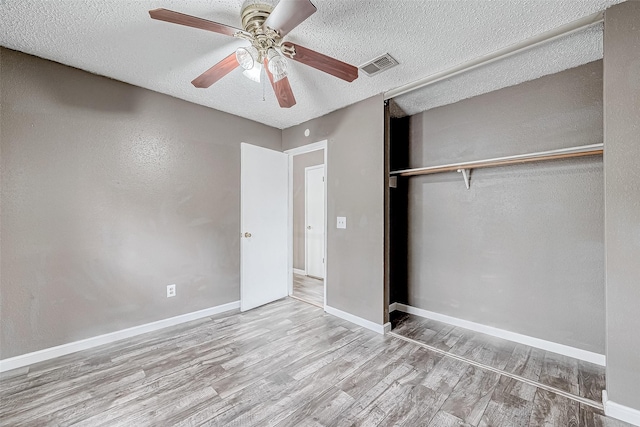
(306, 194)
(320, 145)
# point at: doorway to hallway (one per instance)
(307, 201)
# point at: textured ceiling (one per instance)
(116, 38)
(558, 55)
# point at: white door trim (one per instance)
(306, 252)
(320, 145)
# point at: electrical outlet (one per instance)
(342, 222)
(171, 291)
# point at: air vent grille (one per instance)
(378, 65)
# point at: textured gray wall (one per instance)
(109, 193)
(622, 200)
(300, 162)
(522, 250)
(556, 111)
(355, 181)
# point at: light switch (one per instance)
(342, 222)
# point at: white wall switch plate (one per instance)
(342, 222)
(171, 291)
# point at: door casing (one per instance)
(321, 145)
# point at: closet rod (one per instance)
(562, 153)
(497, 55)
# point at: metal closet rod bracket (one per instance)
(465, 175)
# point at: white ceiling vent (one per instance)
(378, 65)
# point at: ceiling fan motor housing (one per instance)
(263, 38)
(253, 16)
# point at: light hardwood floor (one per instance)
(284, 364)
(308, 289)
(567, 374)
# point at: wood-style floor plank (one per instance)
(470, 397)
(308, 289)
(550, 409)
(560, 372)
(591, 380)
(444, 419)
(591, 418)
(290, 364)
(564, 373)
(526, 362)
(510, 405)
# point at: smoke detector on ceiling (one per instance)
(378, 65)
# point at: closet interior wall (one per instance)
(523, 249)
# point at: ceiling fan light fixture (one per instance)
(253, 73)
(277, 65)
(247, 57)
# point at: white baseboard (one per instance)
(64, 349)
(387, 327)
(587, 356)
(620, 412)
(393, 307)
(355, 319)
(298, 271)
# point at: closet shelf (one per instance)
(465, 167)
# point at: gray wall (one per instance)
(522, 250)
(622, 201)
(355, 181)
(300, 162)
(109, 193)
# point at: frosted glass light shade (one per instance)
(277, 65)
(253, 73)
(247, 57)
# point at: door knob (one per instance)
(247, 234)
(308, 227)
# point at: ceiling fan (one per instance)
(265, 27)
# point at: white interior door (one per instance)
(264, 210)
(314, 221)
